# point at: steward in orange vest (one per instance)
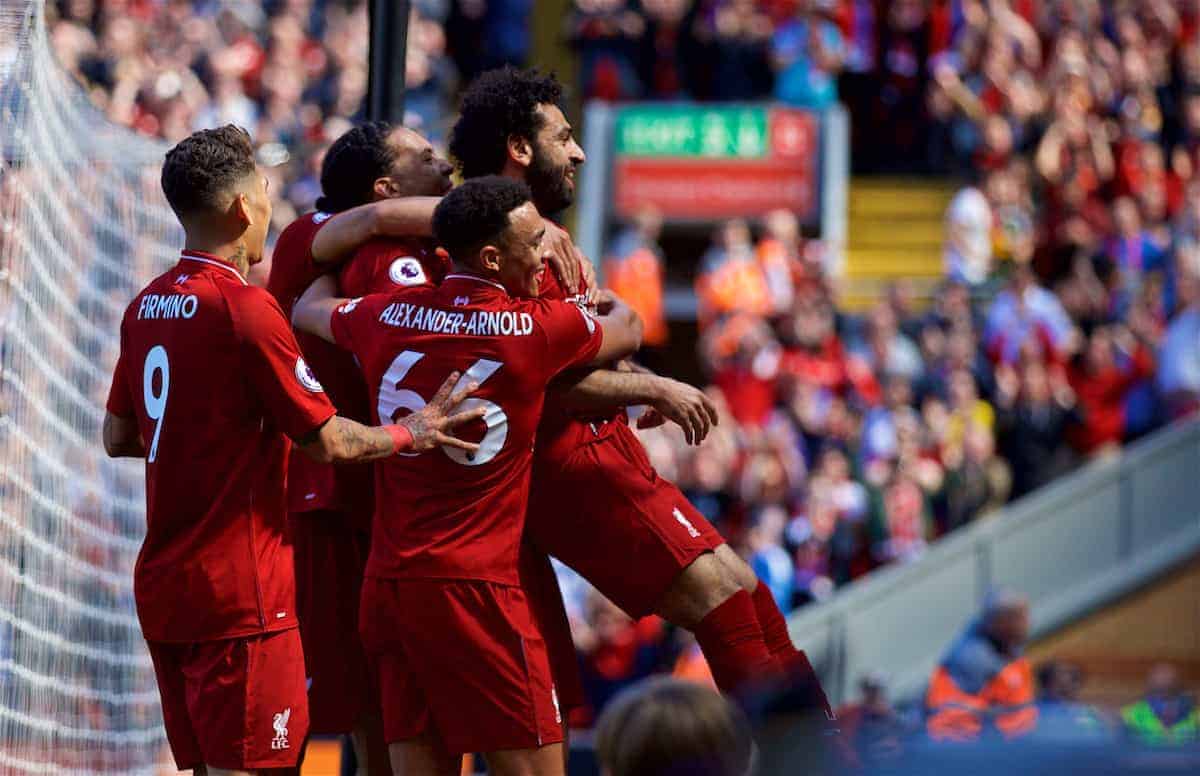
(983, 684)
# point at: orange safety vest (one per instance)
(734, 286)
(637, 278)
(1005, 702)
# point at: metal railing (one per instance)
(1072, 546)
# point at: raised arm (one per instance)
(313, 309)
(341, 440)
(346, 231)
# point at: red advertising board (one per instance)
(688, 184)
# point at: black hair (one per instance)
(499, 104)
(352, 164)
(202, 169)
(476, 213)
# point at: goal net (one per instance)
(83, 225)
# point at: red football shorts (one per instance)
(237, 703)
(606, 513)
(545, 599)
(331, 555)
(459, 662)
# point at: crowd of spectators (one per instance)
(1066, 324)
(292, 72)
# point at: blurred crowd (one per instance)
(1066, 324)
(292, 72)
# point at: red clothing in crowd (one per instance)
(1101, 398)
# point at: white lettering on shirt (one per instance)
(478, 323)
(161, 307)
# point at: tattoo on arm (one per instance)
(356, 442)
(341, 440)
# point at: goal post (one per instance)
(83, 225)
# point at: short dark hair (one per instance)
(203, 167)
(476, 213)
(499, 104)
(668, 727)
(352, 164)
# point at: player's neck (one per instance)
(233, 252)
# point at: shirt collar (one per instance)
(476, 279)
(214, 260)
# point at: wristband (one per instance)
(402, 438)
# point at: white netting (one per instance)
(83, 225)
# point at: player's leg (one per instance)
(423, 757)
(548, 760)
(801, 677)
(371, 751)
(330, 556)
(605, 502)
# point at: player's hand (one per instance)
(589, 277)
(564, 257)
(430, 424)
(686, 406)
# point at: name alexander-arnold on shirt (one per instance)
(481, 323)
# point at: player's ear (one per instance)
(489, 258)
(520, 150)
(384, 188)
(241, 208)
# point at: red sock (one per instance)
(774, 627)
(733, 645)
(801, 675)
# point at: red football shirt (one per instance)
(313, 485)
(211, 371)
(447, 514)
(562, 429)
(389, 264)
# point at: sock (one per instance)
(802, 678)
(774, 626)
(733, 645)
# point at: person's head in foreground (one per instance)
(511, 123)
(669, 727)
(491, 229)
(218, 193)
(375, 161)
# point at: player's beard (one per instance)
(548, 182)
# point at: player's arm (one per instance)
(605, 390)
(314, 309)
(122, 439)
(346, 231)
(621, 326)
(341, 440)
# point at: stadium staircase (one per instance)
(894, 232)
(1074, 547)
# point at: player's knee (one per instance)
(742, 574)
(545, 761)
(701, 587)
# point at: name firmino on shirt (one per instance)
(480, 323)
(167, 306)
